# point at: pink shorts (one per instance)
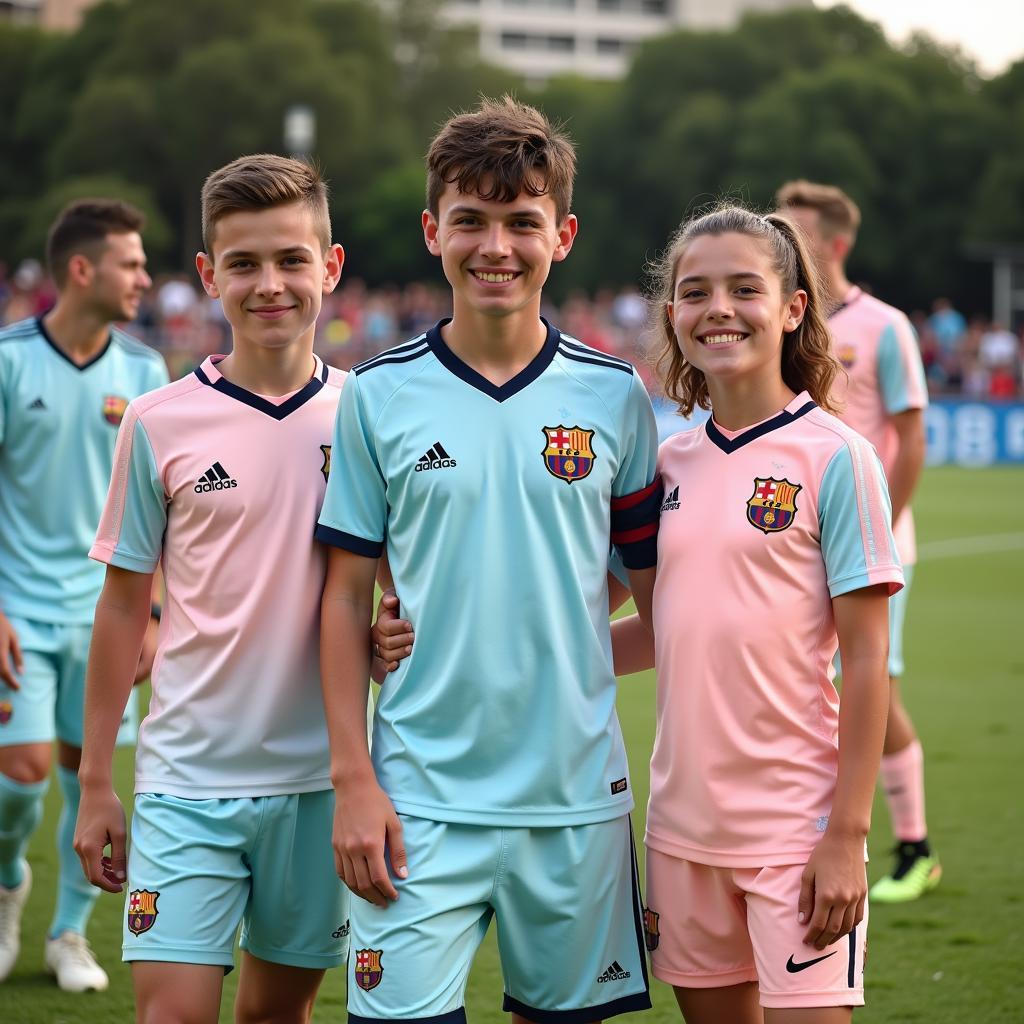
(709, 927)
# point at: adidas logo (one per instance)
(671, 502)
(38, 404)
(215, 478)
(435, 457)
(613, 973)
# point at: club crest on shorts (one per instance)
(326, 467)
(772, 506)
(651, 935)
(568, 452)
(113, 409)
(142, 910)
(6, 711)
(368, 969)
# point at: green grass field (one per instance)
(955, 956)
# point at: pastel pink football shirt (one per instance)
(225, 487)
(759, 531)
(884, 376)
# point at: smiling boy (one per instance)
(496, 459)
(216, 474)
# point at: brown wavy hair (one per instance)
(807, 360)
(507, 145)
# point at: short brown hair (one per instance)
(837, 212)
(509, 146)
(82, 227)
(807, 360)
(259, 182)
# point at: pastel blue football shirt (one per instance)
(58, 425)
(496, 507)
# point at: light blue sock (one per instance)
(75, 895)
(21, 808)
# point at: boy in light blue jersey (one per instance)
(494, 459)
(65, 380)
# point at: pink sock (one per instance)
(903, 781)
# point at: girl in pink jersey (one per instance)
(774, 546)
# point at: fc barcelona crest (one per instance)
(847, 355)
(772, 506)
(326, 467)
(142, 910)
(113, 409)
(651, 934)
(568, 452)
(368, 968)
(6, 711)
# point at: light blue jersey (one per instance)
(58, 425)
(497, 508)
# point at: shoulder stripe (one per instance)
(25, 330)
(588, 350)
(617, 364)
(392, 356)
(396, 350)
(132, 346)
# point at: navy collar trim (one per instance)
(540, 362)
(852, 297)
(56, 348)
(732, 444)
(258, 402)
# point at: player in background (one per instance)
(221, 476)
(883, 396)
(774, 544)
(65, 380)
(495, 459)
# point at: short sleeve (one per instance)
(855, 519)
(134, 518)
(900, 370)
(3, 399)
(636, 490)
(354, 513)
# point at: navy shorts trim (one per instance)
(452, 1017)
(624, 1004)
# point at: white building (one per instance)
(540, 38)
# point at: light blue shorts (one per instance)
(199, 868)
(51, 702)
(567, 905)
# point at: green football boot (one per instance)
(917, 871)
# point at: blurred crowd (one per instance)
(974, 358)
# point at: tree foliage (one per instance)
(147, 97)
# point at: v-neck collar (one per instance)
(851, 297)
(526, 376)
(212, 377)
(800, 406)
(47, 337)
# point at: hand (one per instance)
(392, 636)
(148, 652)
(365, 823)
(833, 890)
(101, 824)
(11, 660)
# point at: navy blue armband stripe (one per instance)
(640, 554)
(632, 511)
(348, 541)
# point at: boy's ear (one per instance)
(334, 260)
(430, 230)
(204, 264)
(566, 235)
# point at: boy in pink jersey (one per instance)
(220, 477)
(774, 542)
(882, 396)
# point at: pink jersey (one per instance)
(759, 531)
(884, 376)
(225, 487)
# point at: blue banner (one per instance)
(960, 431)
